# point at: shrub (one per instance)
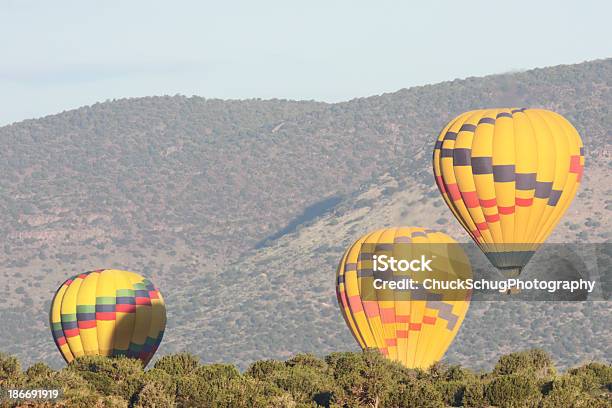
(415, 394)
(161, 379)
(10, 371)
(119, 376)
(178, 364)
(152, 395)
(474, 395)
(305, 384)
(451, 391)
(363, 378)
(308, 360)
(264, 368)
(593, 376)
(220, 373)
(535, 361)
(514, 390)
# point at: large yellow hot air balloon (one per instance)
(414, 327)
(508, 176)
(108, 312)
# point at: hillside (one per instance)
(240, 210)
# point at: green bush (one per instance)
(308, 360)
(10, 371)
(161, 379)
(347, 380)
(362, 378)
(154, 396)
(305, 384)
(119, 376)
(415, 394)
(474, 395)
(514, 390)
(178, 364)
(264, 368)
(220, 373)
(593, 376)
(451, 391)
(535, 361)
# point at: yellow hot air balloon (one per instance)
(412, 326)
(508, 176)
(108, 312)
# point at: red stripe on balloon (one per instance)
(87, 324)
(492, 218)
(453, 191)
(429, 320)
(482, 226)
(123, 308)
(440, 184)
(470, 198)
(574, 164)
(355, 303)
(401, 334)
(71, 332)
(371, 308)
(402, 319)
(387, 315)
(524, 202)
(488, 203)
(105, 315)
(506, 210)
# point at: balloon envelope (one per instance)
(508, 176)
(412, 327)
(108, 312)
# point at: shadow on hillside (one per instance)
(310, 213)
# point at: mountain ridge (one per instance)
(173, 187)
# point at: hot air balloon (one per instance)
(414, 327)
(508, 176)
(108, 312)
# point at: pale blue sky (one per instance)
(59, 55)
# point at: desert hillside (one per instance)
(240, 210)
